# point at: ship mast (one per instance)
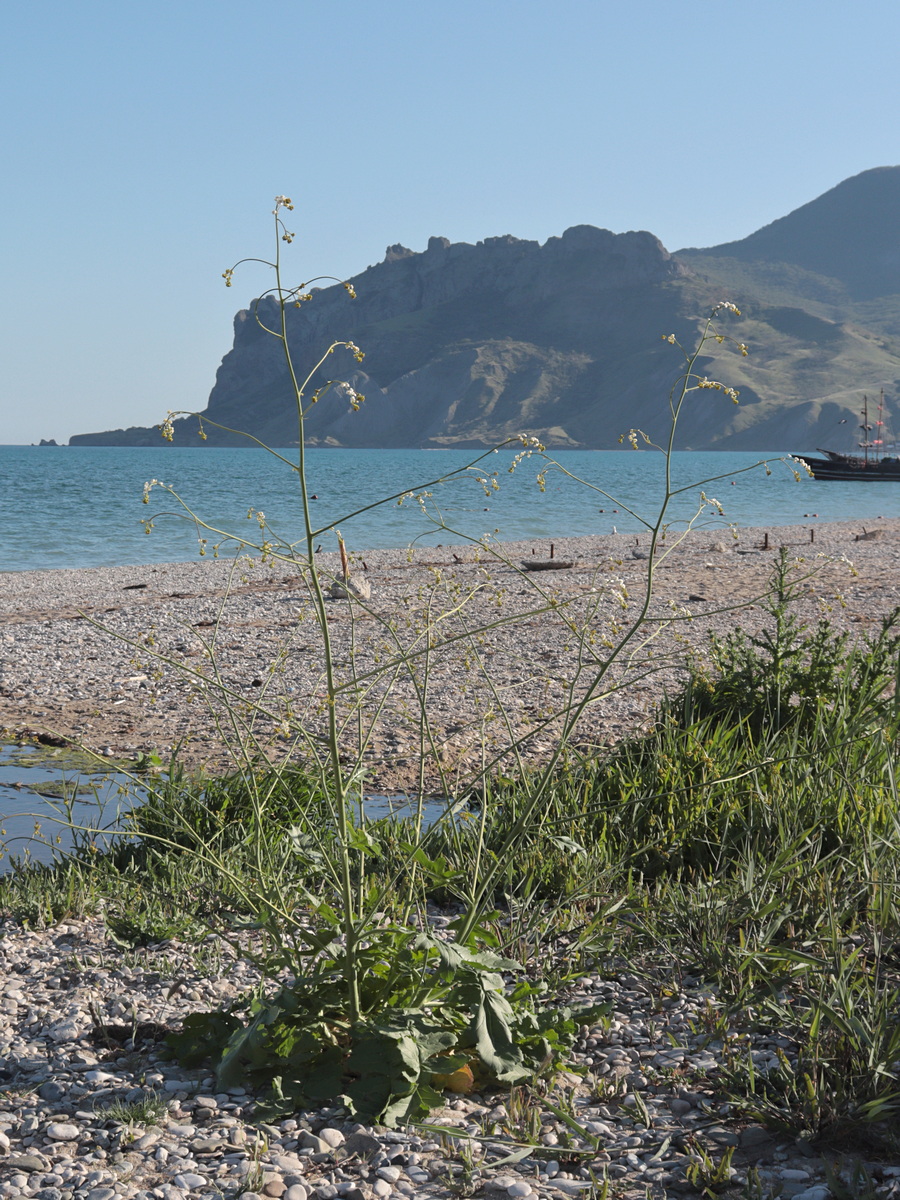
(878, 440)
(866, 430)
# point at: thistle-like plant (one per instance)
(360, 1003)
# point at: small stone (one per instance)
(792, 1173)
(190, 1181)
(520, 1188)
(101, 1193)
(48, 1193)
(332, 1137)
(362, 1144)
(382, 1188)
(63, 1131)
(67, 1031)
(722, 1137)
(679, 1108)
(356, 586)
(26, 1162)
(51, 1091)
(309, 1141)
(391, 1174)
(755, 1135)
(101, 1077)
(600, 1129)
(274, 1188)
(286, 1162)
(296, 1192)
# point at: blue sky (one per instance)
(144, 142)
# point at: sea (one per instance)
(63, 507)
(82, 506)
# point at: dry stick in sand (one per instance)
(358, 588)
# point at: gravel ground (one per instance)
(81, 647)
(79, 1023)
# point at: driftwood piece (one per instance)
(547, 564)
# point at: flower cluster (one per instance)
(713, 503)
(731, 392)
(488, 483)
(631, 437)
(727, 306)
(282, 202)
(354, 397)
(803, 466)
(167, 429)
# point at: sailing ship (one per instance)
(874, 464)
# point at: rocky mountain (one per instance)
(466, 345)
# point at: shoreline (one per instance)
(76, 664)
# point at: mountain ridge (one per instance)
(469, 344)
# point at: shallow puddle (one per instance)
(52, 800)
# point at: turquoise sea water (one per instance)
(76, 507)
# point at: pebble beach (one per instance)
(131, 660)
(110, 658)
(79, 1029)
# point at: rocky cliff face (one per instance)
(463, 343)
(467, 345)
